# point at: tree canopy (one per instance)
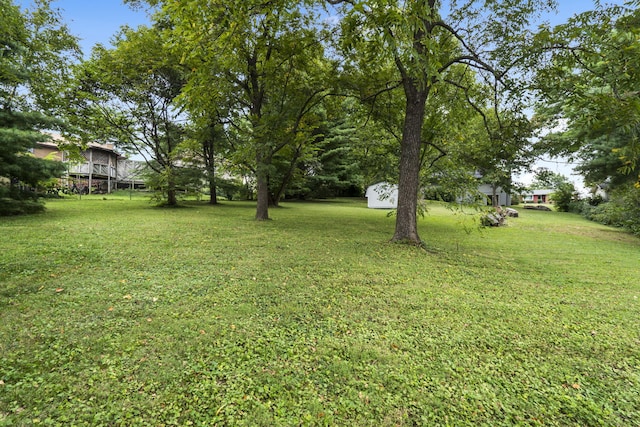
(126, 96)
(35, 53)
(588, 89)
(434, 45)
(425, 93)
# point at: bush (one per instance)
(622, 210)
(578, 206)
(607, 213)
(564, 196)
(595, 200)
(10, 207)
(230, 189)
(17, 201)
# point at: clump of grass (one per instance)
(118, 313)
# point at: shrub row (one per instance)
(621, 210)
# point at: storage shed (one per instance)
(382, 195)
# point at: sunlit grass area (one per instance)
(116, 312)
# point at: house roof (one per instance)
(92, 145)
(48, 144)
(542, 192)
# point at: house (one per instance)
(48, 150)
(382, 195)
(601, 191)
(95, 172)
(538, 196)
(502, 197)
(98, 169)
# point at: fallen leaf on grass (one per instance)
(58, 290)
(574, 386)
(127, 297)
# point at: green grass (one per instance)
(114, 312)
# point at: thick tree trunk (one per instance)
(172, 199)
(262, 208)
(409, 176)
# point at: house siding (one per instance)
(99, 171)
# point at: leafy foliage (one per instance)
(622, 209)
(565, 194)
(589, 88)
(265, 63)
(547, 179)
(423, 48)
(32, 63)
(334, 169)
(127, 96)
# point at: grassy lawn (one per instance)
(114, 312)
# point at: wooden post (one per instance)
(90, 170)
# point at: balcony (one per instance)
(96, 170)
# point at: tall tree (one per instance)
(425, 43)
(206, 146)
(547, 179)
(588, 92)
(35, 53)
(500, 147)
(334, 170)
(268, 59)
(127, 96)
(211, 138)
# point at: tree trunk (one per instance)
(288, 177)
(213, 195)
(262, 209)
(274, 200)
(172, 199)
(208, 150)
(262, 177)
(409, 173)
(211, 175)
(494, 200)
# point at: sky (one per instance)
(96, 21)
